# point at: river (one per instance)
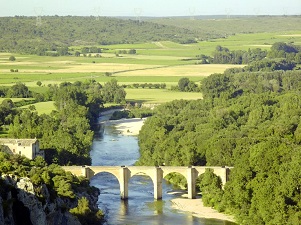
(113, 149)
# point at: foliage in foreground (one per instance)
(67, 133)
(85, 215)
(60, 184)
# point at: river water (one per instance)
(113, 149)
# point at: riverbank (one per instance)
(193, 206)
(197, 209)
(127, 126)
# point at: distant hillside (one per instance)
(54, 33)
(221, 26)
(29, 35)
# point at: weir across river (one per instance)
(156, 173)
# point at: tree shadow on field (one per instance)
(133, 102)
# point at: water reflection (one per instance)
(124, 205)
(113, 149)
(156, 206)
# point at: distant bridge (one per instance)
(124, 173)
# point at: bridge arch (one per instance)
(115, 171)
(170, 169)
(143, 170)
(123, 174)
(107, 172)
(181, 178)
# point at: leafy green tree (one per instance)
(132, 51)
(62, 51)
(82, 207)
(77, 53)
(95, 49)
(63, 187)
(85, 214)
(112, 92)
(66, 133)
(7, 111)
(183, 83)
(12, 58)
(211, 188)
(19, 90)
(39, 83)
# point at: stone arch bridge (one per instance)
(124, 173)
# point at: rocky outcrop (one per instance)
(20, 204)
(57, 218)
(26, 195)
(1, 212)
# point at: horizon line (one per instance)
(167, 16)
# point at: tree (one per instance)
(12, 58)
(82, 207)
(32, 108)
(183, 83)
(211, 188)
(39, 83)
(19, 90)
(186, 85)
(281, 46)
(85, 214)
(77, 53)
(132, 51)
(112, 92)
(63, 51)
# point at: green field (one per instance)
(43, 107)
(15, 99)
(157, 96)
(155, 62)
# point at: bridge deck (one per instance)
(124, 173)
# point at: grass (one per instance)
(155, 62)
(157, 96)
(43, 107)
(180, 71)
(15, 99)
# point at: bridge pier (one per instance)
(87, 172)
(123, 175)
(223, 173)
(191, 180)
(124, 183)
(157, 180)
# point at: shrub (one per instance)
(12, 58)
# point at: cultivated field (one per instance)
(155, 62)
(157, 96)
(43, 107)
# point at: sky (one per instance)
(141, 8)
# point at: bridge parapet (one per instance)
(76, 170)
(124, 173)
(222, 172)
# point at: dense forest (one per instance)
(282, 56)
(66, 134)
(49, 34)
(248, 119)
(24, 35)
(224, 26)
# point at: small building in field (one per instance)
(29, 148)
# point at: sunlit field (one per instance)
(42, 107)
(155, 62)
(157, 96)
